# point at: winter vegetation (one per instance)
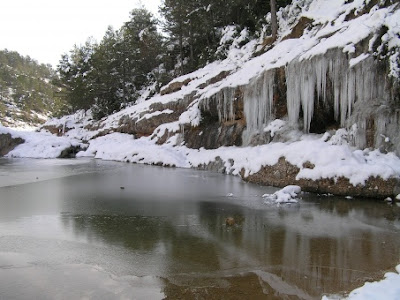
(221, 87)
(28, 91)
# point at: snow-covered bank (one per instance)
(39, 144)
(388, 289)
(316, 158)
(329, 161)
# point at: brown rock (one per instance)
(230, 221)
(215, 79)
(174, 87)
(298, 29)
(70, 152)
(308, 165)
(283, 173)
(56, 130)
(8, 143)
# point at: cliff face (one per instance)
(316, 95)
(325, 73)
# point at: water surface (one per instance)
(102, 230)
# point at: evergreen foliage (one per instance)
(27, 86)
(195, 27)
(106, 76)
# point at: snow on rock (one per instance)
(330, 161)
(275, 126)
(123, 147)
(388, 289)
(39, 144)
(288, 194)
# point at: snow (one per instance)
(123, 147)
(154, 114)
(288, 194)
(39, 144)
(358, 59)
(331, 161)
(275, 126)
(388, 289)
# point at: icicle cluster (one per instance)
(356, 89)
(348, 83)
(225, 107)
(258, 104)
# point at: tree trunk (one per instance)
(274, 22)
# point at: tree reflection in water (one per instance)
(283, 252)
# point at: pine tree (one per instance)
(74, 70)
(108, 75)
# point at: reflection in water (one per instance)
(170, 224)
(272, 252)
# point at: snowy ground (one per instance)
(39, 145)
(330, 160)
(386, 289)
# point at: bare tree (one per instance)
(274, 22)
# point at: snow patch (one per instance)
(39, 144)
(288, 194)
(388, 289)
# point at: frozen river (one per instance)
(90, 229)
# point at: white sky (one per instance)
(45, 29)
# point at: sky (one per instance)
(45, 29)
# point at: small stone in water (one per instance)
(230, 221)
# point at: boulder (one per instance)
(174, 86)
(284, 173)
(8, 143)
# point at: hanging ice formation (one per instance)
(224, 100)
(334, 79)
(258, 101)
(356, 90)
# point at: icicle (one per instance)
(351, 90)
(302, 80)
(258, 104)
(225, 100)
(293, 93)
(348, 85)
(225, 104)
(307, 94)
